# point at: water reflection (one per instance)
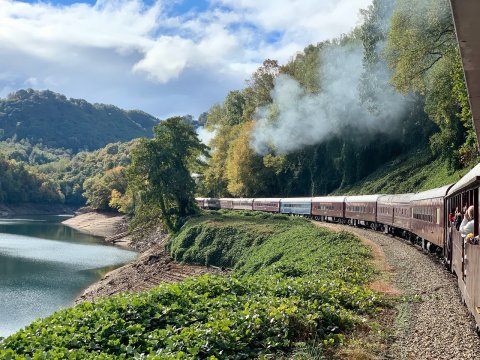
(44, 265)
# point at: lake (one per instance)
(45, 265)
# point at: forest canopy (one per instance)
(342, 108)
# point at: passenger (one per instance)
(451, 216)
(467, 225)
(458, 219)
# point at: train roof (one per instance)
(362, 198)
(297, 200)
(268, 199)
(332, 199)
(470, 178)
(243, 199)
(433, 193)
(395, 198)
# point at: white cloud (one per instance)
(136, 55)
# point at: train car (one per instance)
(200, 202)
(298, 206)
(226, 203)
(461, 256)
(428, 217)
(328, 208)
(362, 210)
(394, 213)
(267, 204)
(212, 203)
(242, 204)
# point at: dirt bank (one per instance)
(153, 266)
(113, 227)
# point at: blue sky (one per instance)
(164, 57)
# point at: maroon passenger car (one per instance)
(267, 204)
(362, 210)
(394, 212)
(428, 216)
(330, 208)
(242, 204)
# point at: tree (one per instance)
(159, 176)
(99, 188)
(423, 53)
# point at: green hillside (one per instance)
(57, 122)
(416, 171)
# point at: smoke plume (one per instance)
(297, 119)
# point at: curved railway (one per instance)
(420, 217)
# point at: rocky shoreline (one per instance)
(152, 267)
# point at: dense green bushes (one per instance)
(293, 283)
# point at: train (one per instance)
(422, 218)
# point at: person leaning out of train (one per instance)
(467, 227)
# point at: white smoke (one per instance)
(298, 119)
(205, 135)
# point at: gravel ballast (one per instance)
(432, 322)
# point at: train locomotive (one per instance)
(422, 218)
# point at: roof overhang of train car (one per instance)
(296, 200)
(470, 180)
(362, 198)
(467, 27)
(395, 199)
(433, 193)
(329, 199)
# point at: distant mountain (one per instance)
(52, 119)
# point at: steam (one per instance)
(205, 135)
(297, 119)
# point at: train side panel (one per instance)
(242, 204)
(212, 203)
(428, 215)
(226, 203)
(298, 206)
(267, 204)
(395, 211)
(361, 208)
(328, 207)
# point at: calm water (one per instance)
(45, 265)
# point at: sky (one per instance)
(164, 57)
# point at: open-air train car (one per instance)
(462, 257)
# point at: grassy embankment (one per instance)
(417, 171)
(295, 289)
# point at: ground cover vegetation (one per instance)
(292, 284)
